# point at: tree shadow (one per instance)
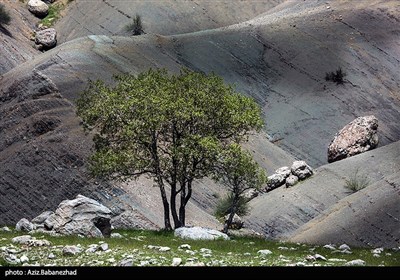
(5, 31)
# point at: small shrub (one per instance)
(356, 182)
(336, 77)
(136, 27)
(224, 206)
(4, 15)
(53, 15)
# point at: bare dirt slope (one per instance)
(321, 210)
(111, 17)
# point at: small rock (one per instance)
(264, 252)
(38, 8)
(284, 171)
(111, 260)
(344, 247)
(194, 264)
(250, 194)
(104, 247)
(176, 261)
(5, 229)
(301, 169)
(11, 259)
(126, 262)
(39, 220)
(23, 239)
(275, 181)
(205, 250)
(283, 248)
(357, 262)
(237, 222)
(330, 247)
(164, 249)
(51, 256)
(24, 225)
(336, 260)
(185, 246)
(377, 251)
(71, 250)
(376, 255)
(24, 259)
(116, 235)
(319, 257)
(310, 258)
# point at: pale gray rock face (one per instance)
(357, 137)
(301, 169)
(39, 220)
(291, 180)
(47, 38)
(83, 216)
(38, 8)
(199, 233)
(24, 225)
(250, 194)
(23, 239)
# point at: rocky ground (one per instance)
(147, 248)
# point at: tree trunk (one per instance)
(232, 214)
(167, 222)
(184, 200)
(177, 222)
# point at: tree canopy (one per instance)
(170, 127)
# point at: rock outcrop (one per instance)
(356, 137)
(46, 39)
(301, 170)
(199, 233)
(24, 225)
(38, 8)
(82, 216)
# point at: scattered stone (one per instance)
(301, 169)
(11, 259)
(185, 246)
(71, 250)
(357, 262)
(24, 259)
(83, 216)
(264, 252)
(176, 261)
(284, 171)
(199, 233)
(126, 262)
(336, 260)
(329, 246)
(5, 229)
(116, 235)
(319, 257)
(194, 264)
(51, 256)
(38, 8)
(24, 225)
(38, 243)
(104, 247)
(275, 181)
(205, 250)
(23, 239)
(111, 260)
(310, 258)
(377, 251)
(237, 222)
(46, 38)
(291, 181)
(344, 247)
(357, 137)
(376, 255)
(164, 249)
(283, 248)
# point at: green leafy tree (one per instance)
(237, 170)
(4, 15)
(170, 127)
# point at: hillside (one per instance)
(277, 53)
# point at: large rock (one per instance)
(301, 169)
(275, 181)
(356, 137)
(83, 216)
(39, 220)
(284, 171)
(46, 38)
(291, 180)
(199, 233)
(24, 225)
(38, 8)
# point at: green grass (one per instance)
(53, 15)
(356, 182)
(236, 252)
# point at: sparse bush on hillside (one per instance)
(136, 27)
(336, 77)
(53, 15)
(356, 182)
(4, 15)
(224, 206)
